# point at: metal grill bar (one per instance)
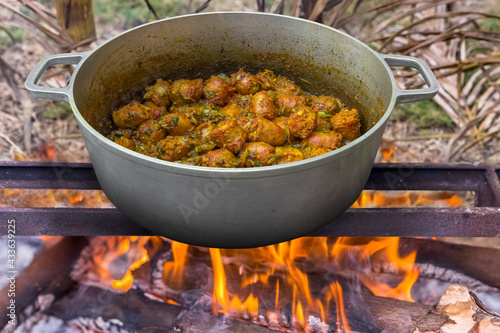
(370, 222)
(483, 220)
(40, 175)
(439, 177)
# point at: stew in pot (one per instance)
(241, 120)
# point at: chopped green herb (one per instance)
(224, 77)
(272, 94)
(175, 121)
(324, 115)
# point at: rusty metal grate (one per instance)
(481, 221)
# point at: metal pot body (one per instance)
(231, 208)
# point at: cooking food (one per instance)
(241, 120)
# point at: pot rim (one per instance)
(233, 172)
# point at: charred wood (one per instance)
(133, 311)
(365, 312)
(47, 274)
(479, 263)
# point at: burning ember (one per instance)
(41, 198)
(393, 199)
(292, 286)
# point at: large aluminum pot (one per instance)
(231, 208)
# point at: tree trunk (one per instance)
(76, 17)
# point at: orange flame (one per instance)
(277, 299)
(287, 269)
(45, 198)
(386, 199)
(106, 251)
(291, 262)
(49, 241)
(126, 282)
(221, 302)
(299, 315)
(387, 151)
(403, 265)
(173, 270)
(342, 323)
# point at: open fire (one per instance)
(262, 284)
(129, 284)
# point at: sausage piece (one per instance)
(330, 140)
(232, 110)
(217, 91)
(186, 91)
(313, 152)
(245, 83)
(131, 115)
(176, 123)
(155, 110)
(243, 101)
(126, 142)
(264, 130)
(263, 105)
(257, 154)
(158, 93)
(326, 104)
(286, 103)
(286, 87)
(302, 122)
(229, 135)
(347, 123)
(150, 132)
(220, 158)
(323, 123)
(283, 123)
(267, 79)
(173, 148)
(204, 142)
(288, 154)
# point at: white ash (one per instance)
(26, 249)
(315, 324)
(88, 325)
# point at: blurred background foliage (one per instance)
(459, 39)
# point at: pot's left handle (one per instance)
(56, 94)
(413, 95)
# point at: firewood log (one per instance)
(47, 274)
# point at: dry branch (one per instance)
(53, 31)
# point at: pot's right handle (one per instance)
(56, 94)
(414, 95)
